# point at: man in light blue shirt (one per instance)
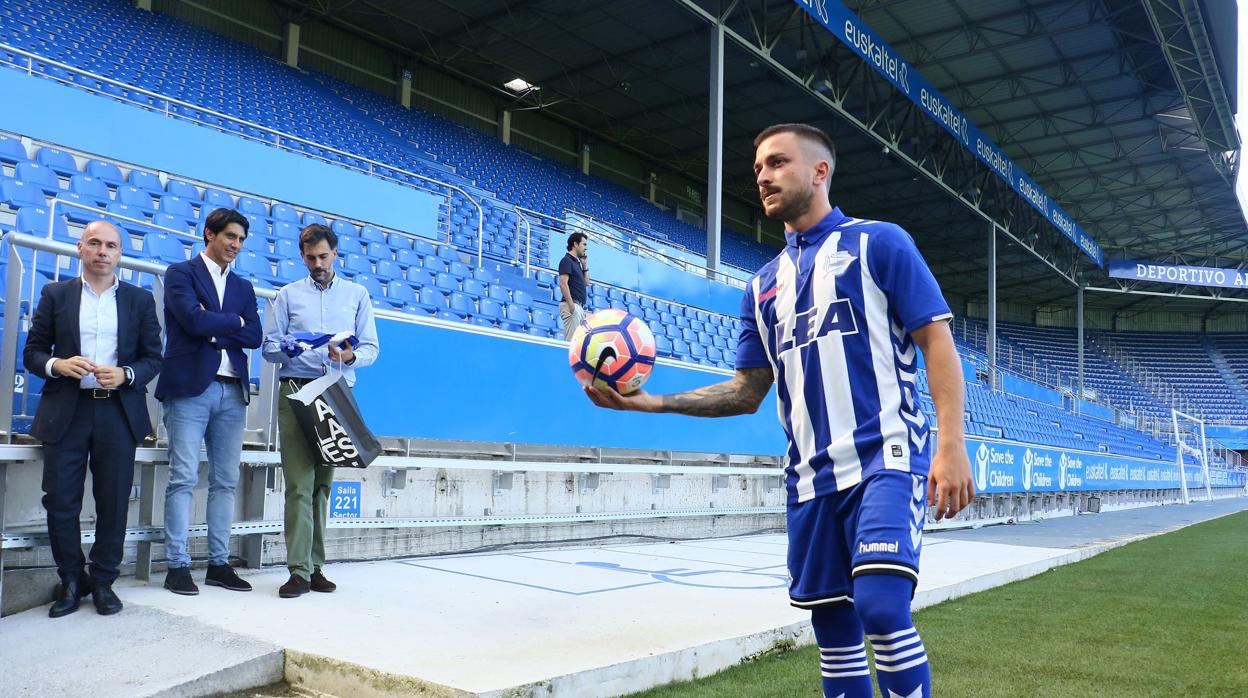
(323, 302)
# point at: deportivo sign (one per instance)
(1178, 274)
(847, 27)
(999, 467)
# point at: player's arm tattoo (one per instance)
(741, 395)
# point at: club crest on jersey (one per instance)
(836, 263)
(809, 325)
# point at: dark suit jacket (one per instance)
(54, 331)
(193, 317)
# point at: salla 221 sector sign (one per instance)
(850, 29)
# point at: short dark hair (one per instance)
(806, 132)
(221, 217)
(575, 238)
(316, 232)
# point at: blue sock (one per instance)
(842, 654)
(882, 602)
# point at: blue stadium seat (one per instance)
(56, 160)
(462, 306)
(358, 263)
(252, 205)
(12, 151)
(89, 187)
(176, 206)
(420, 277)
(16, 194)
(398, 291)
(167, 248)
(215, 198)
(309, 218)
(33, 220)
(283, 212)
(349, 245)
(147, 181)
(131, 195)
(256, 266)
(342, 229)
(431, 300)
(182, 190)
(107, 171)
(285, 230)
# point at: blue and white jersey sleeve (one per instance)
(750, 350)
(902, 274)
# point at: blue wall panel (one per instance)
(611, 266)
(438, 382)
(1027, 389)
(82, 121)
(999, 467)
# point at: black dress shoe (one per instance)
(68, 594)
(178, 580)
(105, 600)
(320, 583)
(294, 587)
(225, 576)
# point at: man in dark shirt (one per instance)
(573, 280)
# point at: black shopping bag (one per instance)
(331, 422)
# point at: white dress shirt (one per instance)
(219, 275)
(97, 330)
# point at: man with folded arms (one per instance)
(210, 318)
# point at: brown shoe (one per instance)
(294, 587)
(320, 583)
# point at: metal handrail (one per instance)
(682, 262)
(278, 135)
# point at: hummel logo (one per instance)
(878, 547)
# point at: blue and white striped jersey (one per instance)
(832, 316)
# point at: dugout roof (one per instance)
(1130, 133)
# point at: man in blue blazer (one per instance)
(96, 341)
(210, 318)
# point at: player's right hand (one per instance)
(640, 401)
(73, 367)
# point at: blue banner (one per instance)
(1178, 274)
(1000, 467)
(853, 32)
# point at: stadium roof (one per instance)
(1129, 133)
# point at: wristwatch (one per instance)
(129, 375)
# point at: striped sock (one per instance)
(842, 653)
(901, 664)
(882, 602)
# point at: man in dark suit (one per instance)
(96, 341)
(210, 318)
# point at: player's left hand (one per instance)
(950, 487)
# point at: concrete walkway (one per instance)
(600, 621)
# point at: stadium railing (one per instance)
(280, 139)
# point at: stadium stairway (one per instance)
(587, 622)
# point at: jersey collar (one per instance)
(818, 232)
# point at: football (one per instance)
(612, 349)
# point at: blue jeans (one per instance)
(214, 418)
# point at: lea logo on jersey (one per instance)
(810, 325)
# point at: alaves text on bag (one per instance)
(331, 422)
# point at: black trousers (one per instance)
(99, 438)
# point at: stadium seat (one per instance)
(182, 190)
(106, 171)
(12, 151)
(146, 181)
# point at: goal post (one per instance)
(1189, 437)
